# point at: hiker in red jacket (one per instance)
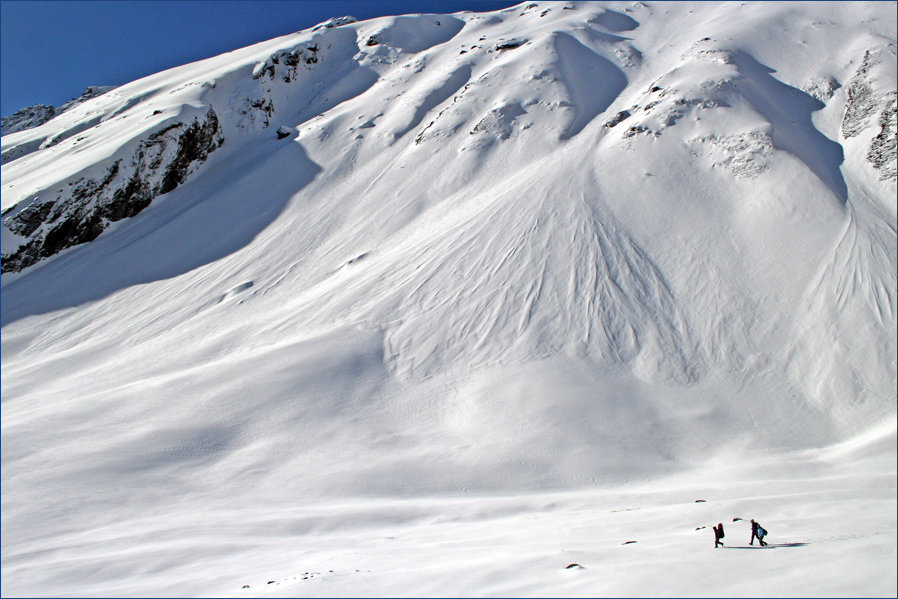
(718, 534)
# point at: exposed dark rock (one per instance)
(26, 255)
(882, 153)
(616, 119)
(358, 258)
(266, 69)
(128, 200)
(283, 132)
(284, 63)
(72, 231)
(510, 44)
(194, 145)
(862, 103)
(29, 219)
(26, 118)
(37, 115)
(335, 22)
(127, 187)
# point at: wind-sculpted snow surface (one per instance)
(456, 80)
(571, 281)
(283, 321)
(859, 274)
(413, 34)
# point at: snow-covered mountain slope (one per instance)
(38, 114)
(538, 250)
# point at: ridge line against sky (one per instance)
(53, 50)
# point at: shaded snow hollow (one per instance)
(442, 304)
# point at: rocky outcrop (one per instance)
(160, 163)
(862, 101)
(882, 153)
(510, 44)
(26, 118)
(253, 104)
(335, 22)
(861, 108)
(284, 64)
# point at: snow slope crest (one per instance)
(34, 116)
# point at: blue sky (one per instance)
(51, 51)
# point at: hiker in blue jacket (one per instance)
(757, 532)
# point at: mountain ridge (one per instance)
(38, 114)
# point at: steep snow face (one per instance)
(551, 247)
(494, 189)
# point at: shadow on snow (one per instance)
(788, 110)
(768, 546)
(208, 218)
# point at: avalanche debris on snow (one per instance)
(821, 88)
(500, 121)
(746, 155)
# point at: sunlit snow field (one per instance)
(521, 304)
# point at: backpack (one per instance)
(720, 530)
(761, 533)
